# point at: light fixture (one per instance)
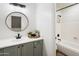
(18, 4)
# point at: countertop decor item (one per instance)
(34, 34)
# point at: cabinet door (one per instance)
(19, 50)
(38, 48)
(10, 51)
(27, 49)
(1, 52)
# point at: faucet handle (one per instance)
(59, 39)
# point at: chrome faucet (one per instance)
(18, 36)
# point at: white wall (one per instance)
(70, 25)
(6, 8)
(45, 17)
(41, 16)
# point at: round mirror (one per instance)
(17, 21)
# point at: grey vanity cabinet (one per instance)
(19, 50)
(33, 48)
(27, 49)
(10, 51)
(1, 52)
(38, 48)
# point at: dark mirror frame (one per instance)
(19, 13)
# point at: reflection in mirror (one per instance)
(16, 23)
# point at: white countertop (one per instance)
(13, 41)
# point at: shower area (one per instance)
(67, 29)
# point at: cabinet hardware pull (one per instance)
(22, 45)
(18, 47)
(34, 46)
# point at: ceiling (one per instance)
(62, 5)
